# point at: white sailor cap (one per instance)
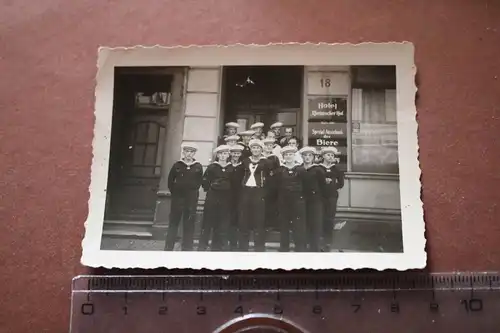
(233, 124)
(308, 149)
(278, 124)
(231, 137)
(268, 140)
(221, 148)
(255, 142)
(327, 150)
(247, 133)
(288, 149)
(236, 148)
(189, 146)
(257, 125)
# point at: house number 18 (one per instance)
(325, 83)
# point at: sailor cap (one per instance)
(332, 150)
(278, 124)
(236, 148)
(288, 149)
(247, 133)
(268, 140)
(233, 124)
(257, 125)
(308, 149)
(255, 142)
(221, 148)
(189, 146)
(231, 137)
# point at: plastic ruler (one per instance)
(315, 303)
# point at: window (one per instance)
(374, 122)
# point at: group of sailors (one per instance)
(254, 181)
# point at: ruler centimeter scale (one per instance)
(313, 302)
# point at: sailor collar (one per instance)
(254, 161)
(327, 167)
(310, 166)
(289, 167)
(223, 166)
(189, 164)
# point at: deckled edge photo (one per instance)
(400, 54)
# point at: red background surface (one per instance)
(48, 55)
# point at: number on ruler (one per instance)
(87, 309)
(434, 307)
(395, 307)
(473, 305)
(325, 83)
(201, 310)
(317, 309)
(239, 310)
(356, 307)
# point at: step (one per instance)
(127, 234)
(128, 226)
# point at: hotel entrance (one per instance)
(264, 94)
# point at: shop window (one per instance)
(374, 122)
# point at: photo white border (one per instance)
(303, 54)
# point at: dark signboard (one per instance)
(320, 142)
(327, 130)
(331, 109)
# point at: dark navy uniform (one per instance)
(272, 195)
(313, 192)
(253, 203)
(246, 151)
(290, 182)
(330, 198)
(184, 180)
(217, 182)
(238, 172)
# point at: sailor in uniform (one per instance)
(334, 180)
(290, 184)
(232, 140)
(315, 181)
(246, 136)
(238, 173)
(276, 129)
(258, 128)
(231, 129)
(218, 183)
(184, 181)
(283, 141)
(293, 142)
(271, 197)
(253, 198)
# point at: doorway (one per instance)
(140, 110)
(264, 94)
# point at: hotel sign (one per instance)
(331, 109)
(327, 125)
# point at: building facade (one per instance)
(195, 103)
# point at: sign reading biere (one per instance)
(333, 109)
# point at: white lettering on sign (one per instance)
(327, 113)
(328, 105)
(325, 131)
(323, 142)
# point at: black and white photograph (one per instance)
(286, 156)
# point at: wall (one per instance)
(48, 65)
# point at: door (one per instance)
(137, 148)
